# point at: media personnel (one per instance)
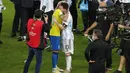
(35, 40)
(98, 50)
(124, 46)
(106, 26)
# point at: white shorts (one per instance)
(68, 45)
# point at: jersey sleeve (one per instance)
(58, 13)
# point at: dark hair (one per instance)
(38, 13)
(65, 5)
(98, 33)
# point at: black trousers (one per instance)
(109, 58)
(26, 14)
(127, 63)
(1, 21)
(17, 18)
(92, 19)
(36, 5)
(125, 46)
(85, 19)
(97, 68)
(73, 11)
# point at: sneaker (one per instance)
(109, 69)
(47, 47)
(55, 71)
(66, 71)
(22, 38)
(25, 61)
(61, 70)
(117, 71)
(76, 31)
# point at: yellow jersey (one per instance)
(55, 30)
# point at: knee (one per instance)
(55, 51)
(67, 54)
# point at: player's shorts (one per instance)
(55, 42)
(68, 45)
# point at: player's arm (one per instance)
(109, 32)
(91, 27)
(64, 17)
(58, 24)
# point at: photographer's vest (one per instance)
(34, 29)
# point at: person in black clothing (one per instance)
(27, 7)
(73, 11)
(126, 49)
(27, 12)
(17, 17)
(56, 2)
(84, 16)
(93, 6)
(97, 53)
(106, 26)
(36, 5)
(124, 46)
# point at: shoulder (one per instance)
(92, 44)
(104, 43)
(30, 20)
(70, 17)
(39, 22)
(58, 11)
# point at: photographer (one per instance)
(125, 41)
(35, 40)
(106, 26)
(98, 50)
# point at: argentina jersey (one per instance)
(67, 32)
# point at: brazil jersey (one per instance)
(55, 30)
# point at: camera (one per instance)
(112, 13)
(43, 11)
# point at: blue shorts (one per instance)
(55, 42)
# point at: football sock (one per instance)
(54, 59)
(68, 62)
